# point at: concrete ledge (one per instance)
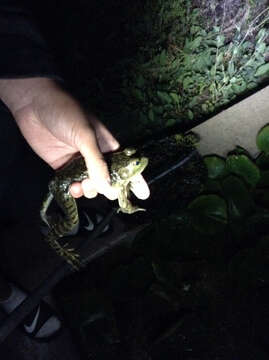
(237, 125)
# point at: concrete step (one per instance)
(237, 125)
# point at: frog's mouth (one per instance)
(144, 162)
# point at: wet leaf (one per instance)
(263, 161)
(238, 197)
(264, 179)
(140, 81)
(243, 166)
(163, 58)
(187, 82)
(231, 68)
(216, 166)
(209, 214)
(190, 115)
(170, 122)
(239, 86)
(262, 70)
(164, 97)
(175, 97)
(151, 115)
(220, 40)
(138, 94)
(262, 139)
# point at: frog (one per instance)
(123, 166)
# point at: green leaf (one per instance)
(170, 122)
(204, 107)
(209, 214)
(216, 166)
(151, 115)
(140, 81)
(264, 179)
(239, 86)
(243, 166)
(262, 139)
(175, 97)
(196, 42)
(220, 40)
(231, 68)
(251, 85)
(239, 150)
(190, 114)
(261, 35)
(194, 29)
(238, 198)
(164, 97)
(163, 58)
(138, 94)
(263, 161)
(187, 82)
(262, 70)
(261, 47)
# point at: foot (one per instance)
(41, 324)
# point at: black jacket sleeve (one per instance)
(23, 50)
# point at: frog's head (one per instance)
(135, 166)
(127, 166)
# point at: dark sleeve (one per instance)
(23, 50)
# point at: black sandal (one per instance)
(36, 320)
(89, 218)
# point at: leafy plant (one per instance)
(197, 57)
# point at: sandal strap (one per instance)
(37, 318)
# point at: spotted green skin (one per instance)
(123, 167)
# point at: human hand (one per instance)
(56, 127)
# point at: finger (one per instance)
(88, 189)
(105, 139)
(96, 165)
(99, 176)
(76, 190)
(139, 187)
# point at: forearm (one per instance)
(18, 94)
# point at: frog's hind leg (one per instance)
(125, 204)
(67, 224)
(64, 225)
(45, 205)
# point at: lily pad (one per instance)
(262, 139)
(264, 179)
(216, 166)
(209, 214)
(244, 167)
(238, 197)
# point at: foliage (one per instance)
(188, 66)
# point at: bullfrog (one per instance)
(123, 167)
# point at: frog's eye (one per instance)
(137, 162)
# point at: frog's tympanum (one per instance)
(123, 167)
